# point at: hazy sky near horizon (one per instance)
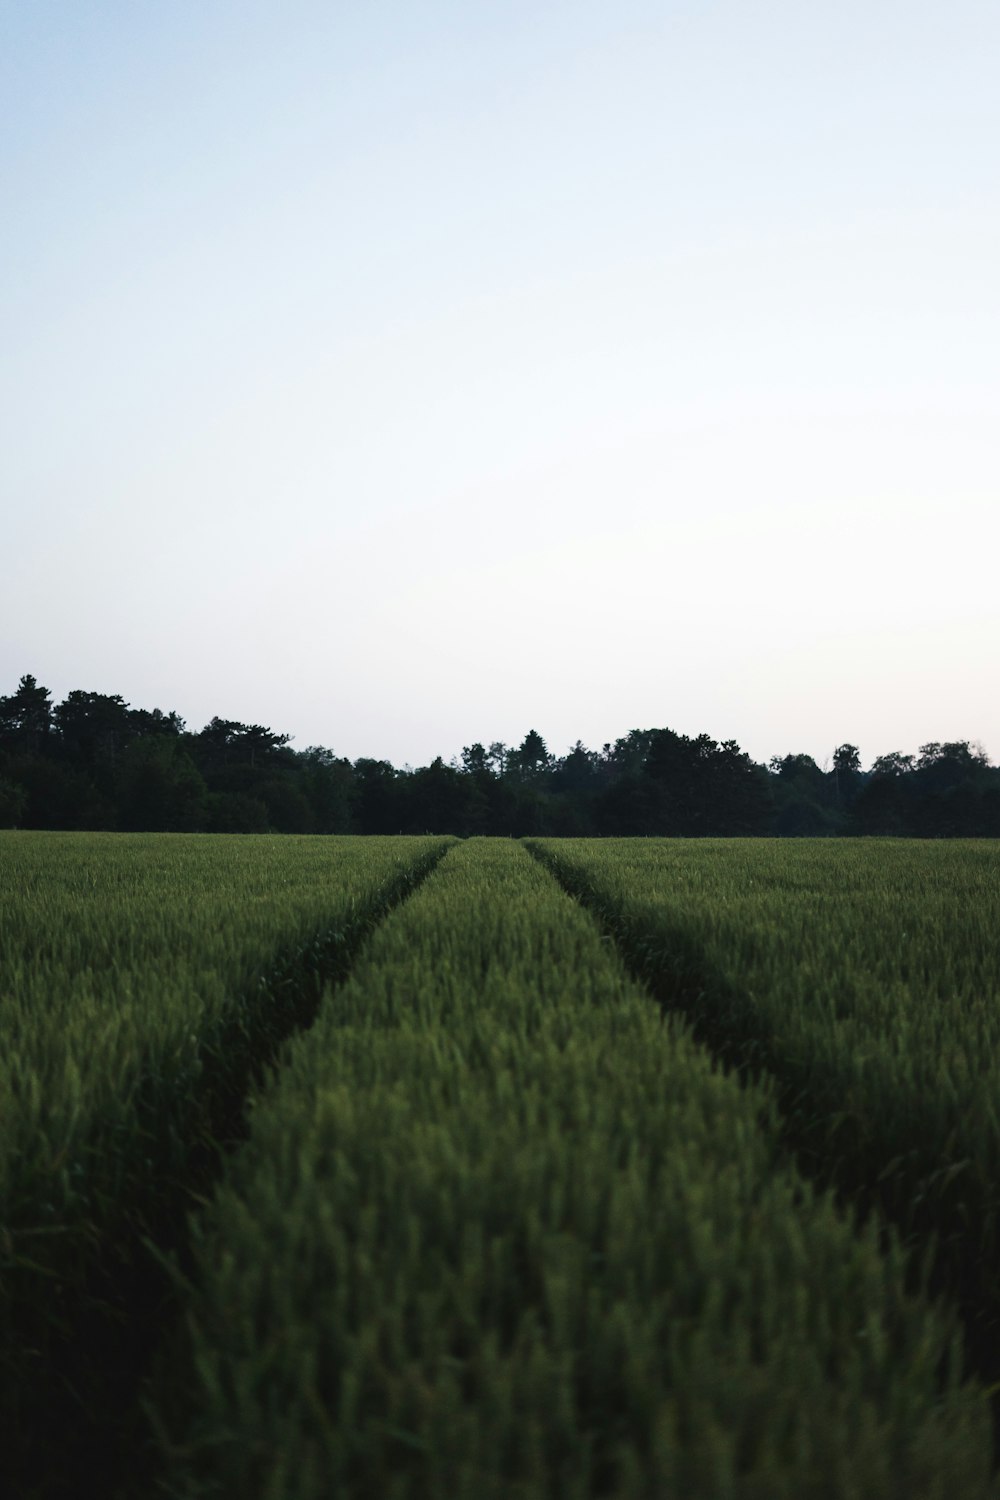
(403, 375)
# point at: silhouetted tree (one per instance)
(627, 757)
(846, 772)
(440, 800)
(95, 762)
(225, 742)
(893, 764)
(577, 772)
(160, 789)
(626, 806)
(236, 812)
(326, 782)
(948, 783)
(379, 805)
(741, 801)
(531, 759)
(59, 795)
(144, 722)
(805, 804)
(881, 806)
(476, 761)
(13, 803)
(497, 757)
(288, 809)
(26, 717)
(93, 728)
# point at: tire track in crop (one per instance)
(678, 978)
(509, 1217)
(85, 1412)
(675, 972)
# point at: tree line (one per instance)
(94, 762)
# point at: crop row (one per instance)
(864, 979)
(500, 1228)
(142, 979)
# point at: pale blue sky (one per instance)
(407, 375)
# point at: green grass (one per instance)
(141, 980)
(865, 979)
(501, 1229)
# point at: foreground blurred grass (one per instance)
(864, 977)
(502, 1230)
(141, 980)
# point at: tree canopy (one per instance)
(93, 761)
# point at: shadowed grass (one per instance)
(500, 1229)
(145, 983)
(864, 980)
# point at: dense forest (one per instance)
(93, 762)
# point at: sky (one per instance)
(401, 376)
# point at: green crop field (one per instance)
(864, 979)
(426, 1168)
(142, 980)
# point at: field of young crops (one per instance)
(143, 979)
(863, 978)
(483, 1168)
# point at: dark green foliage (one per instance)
(160, 789)
(13, 803)
(704, 788)
(26, 717)
(235, 812)
(93, 728)
(326, 784)
(81, 766)
(949, 791)
(530, 760)
(59, 795)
